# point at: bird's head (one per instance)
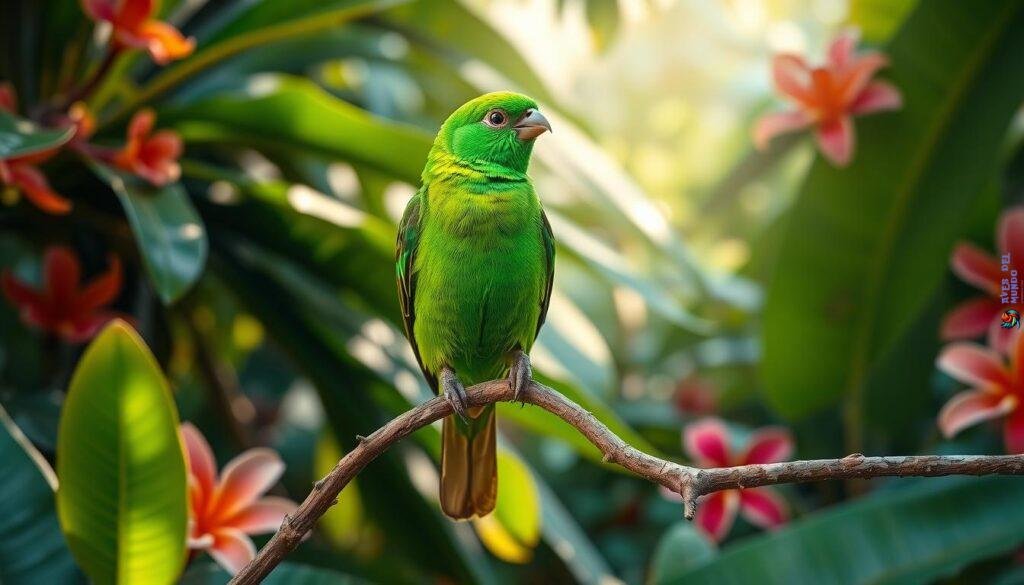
(496, 128)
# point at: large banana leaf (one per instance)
(913, 535)
(865, 246)
(122, 495)
(32, 549)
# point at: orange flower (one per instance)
(827, 97)
(152, 157)
(134, 27)
(224, 511)
(20, 172)
(63, 307)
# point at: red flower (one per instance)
(973, 317)
(21, 172)
(828, 97)
(62, 307)
(224, 511)
(707, 443)
(134, 27)
(996, 389)
(153, 157)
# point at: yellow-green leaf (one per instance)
(513, 530)
(121, 467)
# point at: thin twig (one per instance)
(689, 482)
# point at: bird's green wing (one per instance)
(549, 256)
(405, 261)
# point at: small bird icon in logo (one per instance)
(1011, 319)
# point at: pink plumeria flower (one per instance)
(707, 443)
(997, 386)
(827, 97)
(973, 317)
(224, 511)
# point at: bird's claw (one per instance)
(455, 392)
(520, 374)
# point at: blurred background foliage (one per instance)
(695, 274)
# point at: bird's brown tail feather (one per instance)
(469, 466)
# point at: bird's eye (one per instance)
(496, 118)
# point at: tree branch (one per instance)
(690, 482)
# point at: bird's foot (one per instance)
(520, 374)
(454, 391)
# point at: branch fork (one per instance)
(689, 482)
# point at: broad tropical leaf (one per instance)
(32, 549)
(866, 246)
(913, 535)
(170, 234)
(19, 137)
(122, 495)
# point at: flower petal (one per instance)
(836, 140)
(133, 13)
(771, 125)
(977, 267)
(32, 182)
(232, 549)
(970, 319)
(32, 305)
(999, 338)
(855, 78)
(202, 466)
(265, 515)
(707, 442)
(763, 507)
(841, 50)
(164, 42)
(1010, 235)
(62, 273)
(102, 289)
(973, 364)
(971, 407)
(717, 513)
(878, 96)
(1013, 432)
(792, 77)
(8, 98)
(100, 10)
(768, 445)
(245, 479)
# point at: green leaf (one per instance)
(122, 495)
(914, 535)
(32, 549)
(212, 55)
(866, 246)
(513, 530)
(679, 551)
(283, 574)
(19, 137)
(879, 19)
(290, 112)
(170, 234)
(568, 540)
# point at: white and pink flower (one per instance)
(828, 97)
(708, 443)
(225, 510)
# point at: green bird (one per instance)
(474, 264)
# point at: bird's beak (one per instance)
(531, 125)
